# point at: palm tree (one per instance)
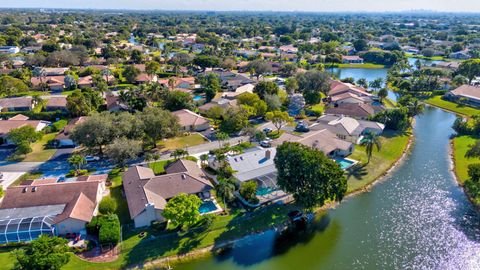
(179, 153)
(203, 159)
(77, 162)
(371, 140)
(225, 189)
(221, 136)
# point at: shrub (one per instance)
(59, 125)
(107, 206)
(474, 172)
(248, 190)
(192, 158)
(109, 232)
(93, 226)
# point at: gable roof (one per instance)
(352, 109)
(322, 140)
(337, 88)
(16, 102)
(467, 91)
(188, 118)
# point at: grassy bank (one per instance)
(461, 144)
(393, 146)
(437, 101)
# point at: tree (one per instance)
(95, 132)
(312, 84)
(70, 82)
(234, 120)
(248, 190)
(177, 100)
(211, 85)
(122, 150)
(291, 85)
(107, 206)
(273, 102)
(179, 153)
(80, 103)
(221, 137)
(43, 253)
(152, 67)
(474, 150)
(252, 103)
(136, 56)
(130, 73)
(10, 86)
(24, 134)
(376, 84)
(159, 124)
(279, 119)
(225, 189)
(266, 88)
(360, 45)
(395, 119)
(470, 69)
(362, 82)
(77, 161)
(371, 140)
(474, 172)
(206, 61)
(259, 68)
(310, 176)
(204, 159)
(183, 210)
(382, 94)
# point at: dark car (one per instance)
(302, 127)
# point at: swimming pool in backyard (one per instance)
(208, 207)
(197, 98)
(262, 191)
(345, 163)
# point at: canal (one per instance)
(417, 218)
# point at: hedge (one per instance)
(47, 116)
(109, 229)
(107, 206)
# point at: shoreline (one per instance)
(202, 252)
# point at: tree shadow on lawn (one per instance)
(357, 171)
(257, 247)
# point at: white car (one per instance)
(266, 143)
(92, 158)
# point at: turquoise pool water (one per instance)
(207, 207)
(262, 191)
(344, 163)
(197, 98)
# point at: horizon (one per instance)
(308, 6)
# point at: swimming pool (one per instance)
(262, 191)
(197, 98)
(207, 207)
(345, 163)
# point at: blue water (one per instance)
(197, 98)
(207, 207)
(264, 191)
(344, 163)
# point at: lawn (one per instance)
(182, 142)
(437, 101)
(158, 167)
(39, 152)
(393, 145)
(115, 176)
(461, 144)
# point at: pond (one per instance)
(417, 218)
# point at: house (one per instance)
(63, 138)
(178, 82)
(54, 83)
(462, 55)
(288, 49)
(148, 194)
(469, 92)
(16, 122)
(348, 93)
(48, 207)
(354, 110)
(447, 65)
(9, 49)
(54, 71)
(114, 104)
(231, 80)
(16, 104)
(321, 139)
(220, 102)
(56, 103)
(347, 128)
(247, 88)
(190, 121)
(352, 59)
(87, 81)
(145, 78)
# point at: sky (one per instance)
(256, 5)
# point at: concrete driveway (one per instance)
(8, 178)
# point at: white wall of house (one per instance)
(146, 217)
(70, 225)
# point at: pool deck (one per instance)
(218, 210)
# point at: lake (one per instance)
(417, 218)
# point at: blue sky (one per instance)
(274, 5)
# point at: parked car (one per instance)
(266, 143)
(92, 158)
(302, 127)
(267, 130)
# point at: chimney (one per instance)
(268, 153)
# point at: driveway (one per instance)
(8, 178)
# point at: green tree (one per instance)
(152, 67)
(470, 69)
(159, 124)
(253, 102)
(77, 161)
(211, 85)
(221, 137)
(371, 140)
(474, 172)
(310, 176)
(206, 61)
(312, 84)
(44, 253)
(95, 132)
(279, 119)
(259, 68)
(177, 100)
(183, 210)
(107, 206)
(234, 120)
(360, 45)
(10, 86)
(122, 150)
(130, 73)
(225, 189)
(266, 88)
(382, 94)
(248, 190)
(376, 84)
(179, 153)
(362, 82)
(24, 134)
(474, 150)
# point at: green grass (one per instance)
(461, 145)
(158, 167)
(393, 145)
(437, 101)
(115, 176)
(6, 261)
(182, 142)
(39, 152)
(389, 104)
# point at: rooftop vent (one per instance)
(25, 189)
(34, 189)
(184, 176)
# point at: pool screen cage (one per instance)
(25, 229)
